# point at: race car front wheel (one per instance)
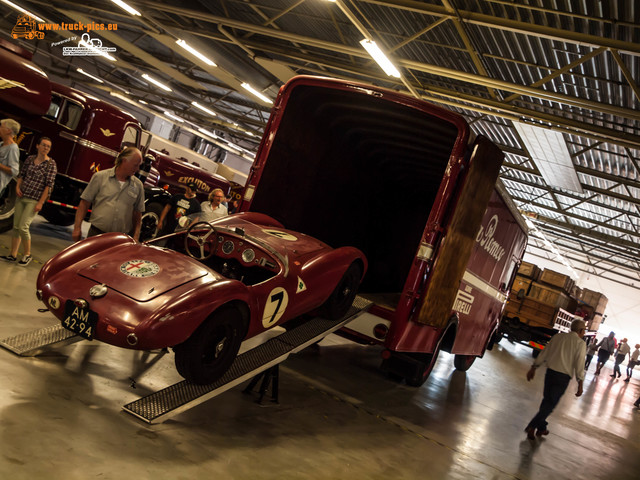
(341, 299)
(209, 352)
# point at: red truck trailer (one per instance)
(87, 133)
(406, 183)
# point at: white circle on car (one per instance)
(282, 235)
(277, 301)
(140, 268)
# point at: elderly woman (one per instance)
(213, 209)
(34, 184)
(9, 152)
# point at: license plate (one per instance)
(79, 320)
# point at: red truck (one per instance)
(405, 182)
(87, 133)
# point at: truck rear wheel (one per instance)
(463, 362)
(428, 361)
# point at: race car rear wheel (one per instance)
(209, 352)
(341, 299)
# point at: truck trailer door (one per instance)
(452, 258)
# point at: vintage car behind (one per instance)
(201, 291)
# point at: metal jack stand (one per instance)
(269, 376)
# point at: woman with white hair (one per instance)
(9, 152)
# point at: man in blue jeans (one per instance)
(564, 356)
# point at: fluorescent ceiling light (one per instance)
(20, 9)
(143, 102)
(156, 82)
(195, 53)
(126, 7)
(537, 232)
(381, 59)
(248, 87)
(207, 132)
(176, 118)
(204, 109)
(550, 154)
(89, 75)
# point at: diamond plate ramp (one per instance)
(170, 401)
(32, 343)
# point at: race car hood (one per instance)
(142, 272)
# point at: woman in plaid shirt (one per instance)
(35, 182)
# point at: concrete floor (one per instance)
(338, 417)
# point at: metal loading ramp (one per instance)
(170, 401)
(32, 343)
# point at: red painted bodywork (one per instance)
(100, 132)
(164, 309)
(176, 174)
(24, 85)
(355, 164)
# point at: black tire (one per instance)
(341, 299)
(209, 352)
(150, 220)
(429, 361)
(58, 215)
(494, 339)
(463, 362)
(535, 352)
(7, 206)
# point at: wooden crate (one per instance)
(554, 297)
(529, 270)
(536, 313)
(565, 282)
(521, 283)
(595, 322)
(596, 299)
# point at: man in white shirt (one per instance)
(564, 356)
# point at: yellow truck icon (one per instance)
(26, 27)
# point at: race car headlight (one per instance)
(39, 294)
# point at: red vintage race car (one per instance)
(202, 293)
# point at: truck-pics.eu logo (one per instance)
(26, 27)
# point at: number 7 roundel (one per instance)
(275, 306)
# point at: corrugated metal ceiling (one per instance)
(563, 64)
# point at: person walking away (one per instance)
(116, 198)
(180, 205)
(591, 351)
(607, 346)
(33, 187)
(564, 357)
(214, 209)
(623, 350)
(9, 152)
(633, 361)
